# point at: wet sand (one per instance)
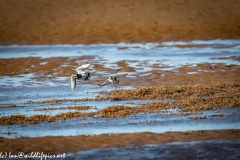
(68, 144)
(60, 67)
(181, 90)
(110, 21)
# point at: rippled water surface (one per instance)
(211, 149)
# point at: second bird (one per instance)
(111, 80)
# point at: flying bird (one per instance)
(80, 69)
(81, 74)
(111, 80)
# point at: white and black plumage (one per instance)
(80, 69)
(111, 80)
(81, 74)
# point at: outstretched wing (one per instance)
(106, 82)
(80, 69)
(73, 82)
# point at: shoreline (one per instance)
(50, 42)
(107, 42)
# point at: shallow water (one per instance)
(210, 149)
(23, 87)
(168, 55)
(155, 122)
(142, 57)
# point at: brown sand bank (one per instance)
(50, 144)
(111, 21)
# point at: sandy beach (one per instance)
(112, 21)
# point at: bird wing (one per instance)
(116, 83)
(73, 82)
(80, 69)
(106, 82)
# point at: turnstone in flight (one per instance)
(111, 80)
(81, 74)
